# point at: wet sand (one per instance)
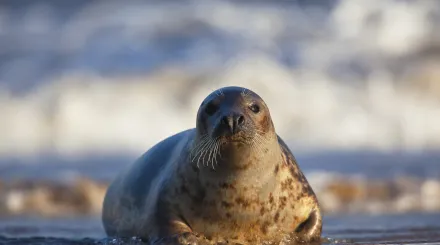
(416, 228)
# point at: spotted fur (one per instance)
(256, 194)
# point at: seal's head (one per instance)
(232, 123)
(234, 115)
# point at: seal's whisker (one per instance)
(214, 152)
(219, 146)
(258, 142)
(261, 140)
(194, 148)
(204, 150)
(253, 146)
(202, 156)
(203, 141)
(264, 148)
(256, 148)
(208, 151)
(202, 144)
(199, 147)
(211, 151)
(217, 151)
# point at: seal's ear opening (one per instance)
(312, 226)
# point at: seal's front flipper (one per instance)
(187, 238)
(174, 231)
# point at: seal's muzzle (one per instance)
(232, 123)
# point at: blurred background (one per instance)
(87, 86)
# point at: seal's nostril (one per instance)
(233, 122)
(240, 120)
(228, 121)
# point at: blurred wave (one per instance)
(344, 182)
(337, 194)
(105, 76)
(81, 114)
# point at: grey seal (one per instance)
(231, 178)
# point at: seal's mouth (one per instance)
(234, 139)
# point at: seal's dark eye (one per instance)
(211, 108)
(255, 108)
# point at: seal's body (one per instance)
(232, 177)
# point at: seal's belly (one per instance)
(239, 221)
(246, 230)
(239, 214)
